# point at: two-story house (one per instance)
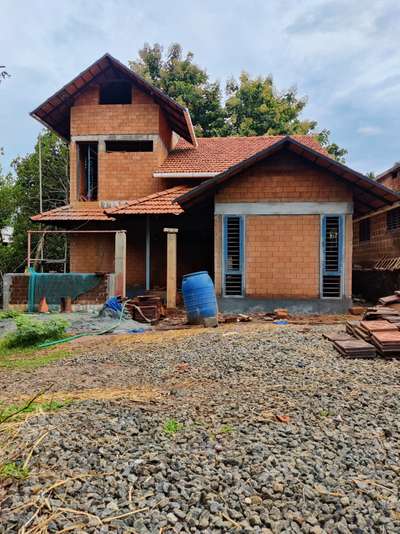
(269, 217)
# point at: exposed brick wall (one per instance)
(19, 289)
(91, 253)
(127, 175)
(383, 242)
(392, 181)
(90, 117)
(282, 256)
(284, 177)
(121, 175)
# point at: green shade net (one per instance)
(55, 286)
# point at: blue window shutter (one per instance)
(233, 245)
(332, 229)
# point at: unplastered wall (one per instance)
(91, 253)
(121, 175)
(382, 242)
(282, 251)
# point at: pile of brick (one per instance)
(378, 333)
(145, 308)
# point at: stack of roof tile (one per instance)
(378, 331)
(355, 348)
(387, 342)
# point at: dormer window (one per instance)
(116, 92)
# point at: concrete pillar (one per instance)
(120, 263)
(171, 266)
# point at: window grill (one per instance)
(233, 255)
(332, 240)
(393, 219)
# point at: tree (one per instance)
(185, 82)
(19, 197)
(253, 106)
(3, 73)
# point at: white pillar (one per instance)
(120, 263)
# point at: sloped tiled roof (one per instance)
(54, 113)
(70, 212)
(161, 203)
(216, 154)
(368, 195)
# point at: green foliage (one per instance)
(13, 470)
(253, 106)
(172, 426)
(184, 81)
(19, 198)
(226, 429)
(8, 411)
(32, 331)
(28, 358)
(9, 314)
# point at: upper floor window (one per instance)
(116, 92)
(129, 146)
(87, 171)
(364, 230)
(393, 219)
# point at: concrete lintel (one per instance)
(301, 306)
(115, 137)
(171, 230)
(283, 208)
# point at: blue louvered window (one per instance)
(332, 256)
(233, 256)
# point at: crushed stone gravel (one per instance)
(274, 432)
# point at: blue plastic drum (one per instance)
(199, 297)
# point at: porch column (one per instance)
(171, 266)
(120, 263)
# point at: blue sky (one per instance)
(344, 55)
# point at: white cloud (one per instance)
(369, 130)
(345, 59)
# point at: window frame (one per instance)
(114, 83)
(364, 230)
(392, 226)
(225, 270)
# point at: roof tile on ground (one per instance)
(216, 154)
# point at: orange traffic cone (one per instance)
(43, 307)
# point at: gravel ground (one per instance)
(273, 432)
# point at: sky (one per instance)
(344, 55)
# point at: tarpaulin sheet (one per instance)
(55, 286)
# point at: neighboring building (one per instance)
(377, 235)
(269, 217)
(6, 235)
